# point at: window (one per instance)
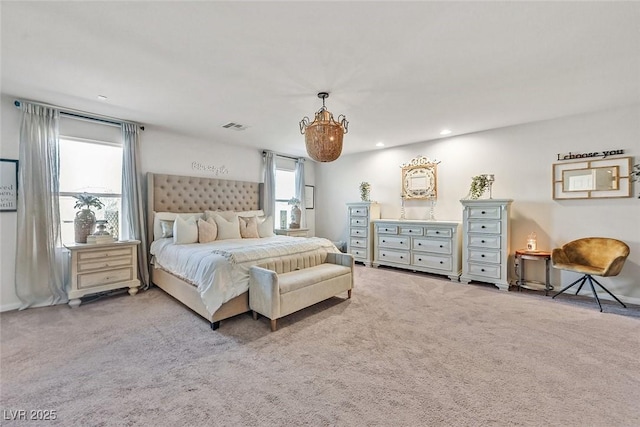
(285, 190)
(93, 167)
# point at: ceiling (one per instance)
(400, 71)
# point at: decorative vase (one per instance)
(83, 224)
(296, 213)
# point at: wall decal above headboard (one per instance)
(213, 169)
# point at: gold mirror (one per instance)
(419, 179)
(592, 179)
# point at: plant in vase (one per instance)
(296, 213)
(85, 219)
(479, 184)
(365, 191)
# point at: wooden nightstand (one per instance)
(102, 267)
(294, 232)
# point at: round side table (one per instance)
(521, 256)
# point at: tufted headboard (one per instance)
(186, 194)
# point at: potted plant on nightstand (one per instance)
(85, 219)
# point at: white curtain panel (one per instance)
(133, 212)
(269, 183)
(39, 262)
(300, 191)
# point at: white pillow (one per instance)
(265, 226)
(168, 216)
(228, 215)
(185, 230)
(227, 229)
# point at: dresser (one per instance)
(360, 242)
(485, 252)
(102, 267)
(429, 246)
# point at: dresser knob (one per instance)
(437, 232)
(410, 231)
(441, 246)
(384, 241)
(384, 254)
(483, 212)
(441, 262)
(482, 255)
(481, 241)
(482, 269)
(419, 244)
(401, 257)
(484, 226)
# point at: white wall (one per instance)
(521, 157)
(161, 152)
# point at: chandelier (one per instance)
(323, 136)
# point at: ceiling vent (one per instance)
(235, 126)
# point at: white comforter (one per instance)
(220, 269)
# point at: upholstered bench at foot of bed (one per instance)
(278, 290)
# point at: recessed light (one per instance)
(102, 97)
(445, 132)
(380, 144)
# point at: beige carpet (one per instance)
(407, 350)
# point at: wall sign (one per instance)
(8, 185)
(215, 170)
(603, 154)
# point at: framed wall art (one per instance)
(309, 196)
(8, 185)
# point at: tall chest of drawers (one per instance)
(102, 267)
(429, 246)
(360, 240)
(485, 253)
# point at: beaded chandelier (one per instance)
(323, 136)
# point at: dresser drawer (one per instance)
(484, 241)
(358, 253)
(431, 245)
(411, 231)
(89, 280)
(359, 211)
(492, 212)
(387, 229)
(359, 232)
(491, 227)
(107, 253)
(359, 222)
(484, 256)
(488, 271)
(102, 264)
(393, 242)
(398, 257)
(359, 243)
(432, 261)
(438, 232)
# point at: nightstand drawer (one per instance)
(102, 264)
(107, 253)
(358, 253)
(438, 232)
(90, 280)
(387, 229)
(359, 222)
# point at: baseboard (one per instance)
(9, 307)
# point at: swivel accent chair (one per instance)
(591, 256)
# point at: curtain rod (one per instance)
(79, 114)
(283, 155)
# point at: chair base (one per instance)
(590, 279)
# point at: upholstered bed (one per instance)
(228, 260)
